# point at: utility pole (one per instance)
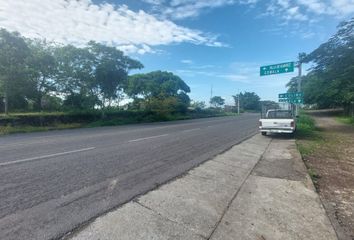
(238, 103)
(211, 94)
(299, 66)
(299, 76)
(6, 103)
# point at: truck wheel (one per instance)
(264, 133)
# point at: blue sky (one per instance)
(219, 43)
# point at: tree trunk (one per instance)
(102, 110)
(39, 102)
(6, 103)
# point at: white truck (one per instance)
(277, 121)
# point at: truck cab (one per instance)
(278, 121)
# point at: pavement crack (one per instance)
(237, 192)
(168, 219)
(79, 198)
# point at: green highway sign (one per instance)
(291, 95)
(277, 68)
(291, 100)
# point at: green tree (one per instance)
(217, 101)
(198, 105)
(76, 78)
(51, 103)
(14, 53)
(270, 104)
(111, 71)
(158, 86)
(43, 71)
(330, 81)
(248, 101)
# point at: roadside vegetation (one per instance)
(44, 121)
(329, 83)
(325, 137)
(346, 120)
(308, 136)
(309, 139)
(326, 144)
(45, 86)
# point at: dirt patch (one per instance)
(332, 161)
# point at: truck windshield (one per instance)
(279, 114)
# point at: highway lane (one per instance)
(51, 183)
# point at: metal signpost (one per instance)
(286, 68)
(277, 68)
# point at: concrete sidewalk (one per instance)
(259, 189)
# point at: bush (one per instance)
(93, 118)
(305, 127)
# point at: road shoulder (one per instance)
(258, 189)
(277, 201)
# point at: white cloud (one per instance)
(79, 21)
(307, 10)
(294, 14)
(180, 9)
(300, 18)
(187, 61)
(222, 75)
(154, 2)
(316, 6)
(343, 7)
(207, 66)
(340, 8)
(236, 78)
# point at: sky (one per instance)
(216, 45)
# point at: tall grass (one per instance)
(306, 127)
(308, 136)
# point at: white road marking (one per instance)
(145, 138)
(190, 130)
(44, 156)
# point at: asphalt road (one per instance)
(53, 182)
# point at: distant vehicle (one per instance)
(277, 121)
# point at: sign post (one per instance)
(287, 67)
(299, 82)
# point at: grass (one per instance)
(31, 114)
(346, 120)
(123, 121)
(314, 175)
(232, 114)
(27, 129)
(305, 127)
(308, 137)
